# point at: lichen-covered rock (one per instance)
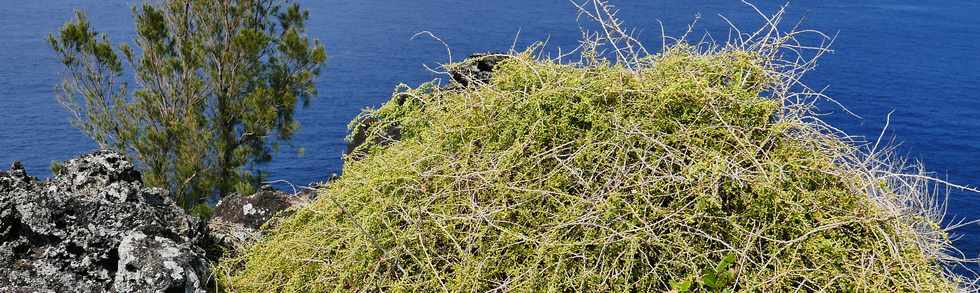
(65, 234)
(158, 264)
(237, 219)
(254, 210)
(15, 178)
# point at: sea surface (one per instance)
(918, 60)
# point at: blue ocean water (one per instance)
(917, 59)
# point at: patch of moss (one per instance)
(556, 177)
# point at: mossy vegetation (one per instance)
(552, 177)
(701, 168)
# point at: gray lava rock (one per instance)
(157, 264)
(66, 234)
(237, 219)
(15, 178)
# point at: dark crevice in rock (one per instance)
(20, 251)
(74, 249)
(36, 239)
(110, 263)
(11, 228)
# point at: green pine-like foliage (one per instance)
(207, 90)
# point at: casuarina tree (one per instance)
(206, 92)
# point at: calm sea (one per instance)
(919, 59)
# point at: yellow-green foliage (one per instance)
(557, 177)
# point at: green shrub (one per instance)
(202, 210)
(689, 173)
(203, 95)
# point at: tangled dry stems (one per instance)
(703, 167)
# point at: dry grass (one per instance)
(701, 168)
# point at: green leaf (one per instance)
(681, 286)
(725, 262)
(709, 279)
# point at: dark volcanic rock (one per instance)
(476, 69)
(16, 177)
(94, 227)
(237, 219)
(252, 211)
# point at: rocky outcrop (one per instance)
(94, 227)
(476, 69)
(237, 220)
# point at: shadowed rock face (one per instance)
(94, 227)
(477, 69)
(237, 219)
(252, 211)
